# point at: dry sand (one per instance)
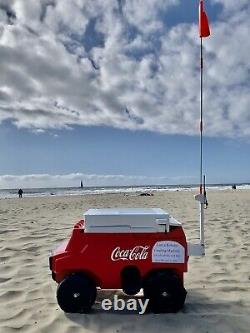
(218, 285)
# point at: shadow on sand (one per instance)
(200, 314)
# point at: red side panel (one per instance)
(104, 255)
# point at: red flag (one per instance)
(203, 22)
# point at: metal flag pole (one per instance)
(202, 201)
(201, 114)
(204, 31)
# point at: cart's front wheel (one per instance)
(165, 292)
(76, 293)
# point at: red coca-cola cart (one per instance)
(128, 249)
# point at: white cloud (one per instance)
(73, 180)
(144, 14)
(51, 79)
(231, 5)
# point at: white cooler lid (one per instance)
(121, 220)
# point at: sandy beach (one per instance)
(218, 285)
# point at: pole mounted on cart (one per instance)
(204, 31)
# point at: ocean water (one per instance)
(69, 191)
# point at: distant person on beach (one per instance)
(234, 187)
(20, 193)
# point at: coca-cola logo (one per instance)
(136, 253)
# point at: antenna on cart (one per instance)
(204, 31)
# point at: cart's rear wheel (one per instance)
(76, 293)
(165, 292)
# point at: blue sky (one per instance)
(109, 92)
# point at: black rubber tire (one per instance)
(76, 293)
(165, 292)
